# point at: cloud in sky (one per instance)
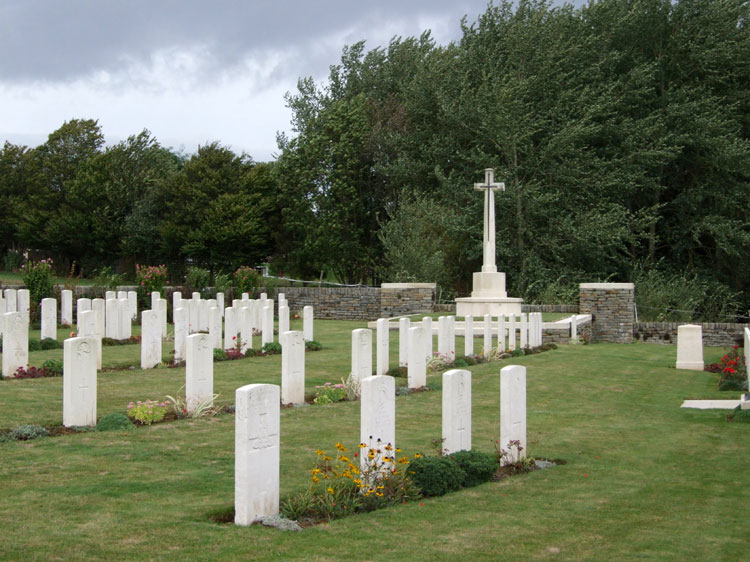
(189, 71)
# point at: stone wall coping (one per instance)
(408, 285)
(607, 286)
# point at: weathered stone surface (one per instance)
(612, 307)
(427, 337)
(378, 413)
(283, 318)
(79, 382)
(66, 307)
(231, 328)
(150, 339)
(307, 323)
(403, 341)
(87, 328)
(15, 343)
(292, 367)
(49, 319)
(199, 371)
(267, 323)
(487, 334)
(469, 336)
(382, 350)
(181, 316)
(361, 353)
(256, 453)
(513, 410)
(690, 347)
(417, 365)
(456, 411)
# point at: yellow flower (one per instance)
(315, 479)
(381, 487)
(388, 447)
(315, 471)
(403, 460)
(362, 445)
(418, 455)
(379, 494)
(398, 450)
(358, 482)
(371, 454)
(329, 490)
(327, 459)
(340, 447)
(342, 458)
(318, 451)
(354, 469)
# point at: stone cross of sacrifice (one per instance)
(488, 245)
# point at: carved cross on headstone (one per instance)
(490, 186)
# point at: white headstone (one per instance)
(176, 298)
(98, 306)
(199, 371)
(79, 381)
(49, 319)
(283, 318)
(382, 350)
(203, 324)
(245, 296)
(246, 328)
(230, 328)
(150, 339)
(267, 325)
(456, 411)
(690, 347)
(24, 299)
(66, 307)
(511, 332)
(214, 326)
(193, 315)
(501, 339)
(110, 295)
(513, 410)
(745, 401)
(112, 319)
(524, 331)
(122, 295)
(307, 323)
(11, 296)
(82, 305)
(417, 368)
(220, 303)
(403, 341)
(377, 414)
(256, 453)
(155, 296)
(361, 353)
(161, 308)
(487, 333)
(3, 310)
(87, 328)
(427, 335)
(196, 296)
(133, 305)
(126, 321)
(469, 336)
(15, 343)
(181, 321)
(292, 368)
(447, 337)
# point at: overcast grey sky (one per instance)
(189, 71)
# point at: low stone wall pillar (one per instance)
(612, 308)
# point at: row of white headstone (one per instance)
(257, 430)
(416, 342)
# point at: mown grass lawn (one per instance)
(643, 480)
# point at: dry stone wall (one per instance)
(612, 307)
(714, 334)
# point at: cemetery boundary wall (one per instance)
(714, 334)
(559, 308)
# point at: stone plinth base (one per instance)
(745, 401)
(489, 284)
(479, 306)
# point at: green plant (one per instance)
(106, 279)
(220, 355)
(201, 409)
(53, 366)
(401, 372)
(222, 282)
(329, 393)
(114, 421)
(436, 476)
(740, 415)
(12, 260)
(37, 276)
(50, 343)
(151, 278)
(246, 280)
(347, 484)
(478, 466)
(460, 362)
(198, 279)
(733, 370)
(313, 345)
(469, 360)
(148, 412)
(27, 432)
(517, 353)
(271, 348)
(438, 362)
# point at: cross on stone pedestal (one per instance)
(490, 186)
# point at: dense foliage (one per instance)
(620, 130)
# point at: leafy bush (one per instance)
(469, 360)
(436, 476)
(313, 345)
(401, 372)
(246, 280)
(28, 432)
(733, 370)
(106, 279)
(478, 467)
(249, 353)
(222, 282)
(220, 355)
(198, 278)
(459, 363)
(329, 393)
(31, 372)
(740, 415)
(148, 412)
(271, 348)
(114, 421)
(151, 278)
(12, 260)
(49, 343)
(37, 276)
(53, 366)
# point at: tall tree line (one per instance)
(89, 207)
(620, 130)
